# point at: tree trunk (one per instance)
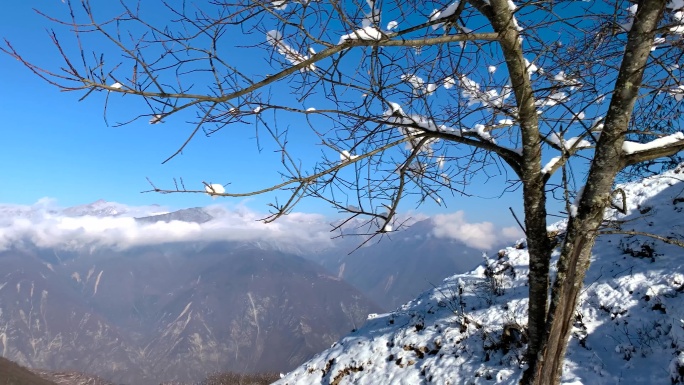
(581, 234)
(534, 195)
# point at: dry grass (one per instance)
(230, 378)
(13, 374)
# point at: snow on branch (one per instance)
(567, 146)
(679, 19)
(214, 189)
(275, 38)
(634, 147)
(346, 156)
(419, 86)
(373, 17)
(365, 33)
(549, 166)
(414, 124)
(574, 143)
(446, 13)
(552, 100)
(677, 92)
(564, 79)
(281, 5)
(471, 91)
(627, 26)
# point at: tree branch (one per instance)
(651, 154)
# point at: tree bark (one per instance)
(608, 160)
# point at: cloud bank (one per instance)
(481, 235)
(87, 228)
(114, 226)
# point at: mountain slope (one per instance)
(395, 270)
(13, 374)
(470, 329)
(174, 312)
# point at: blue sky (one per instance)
(54, 146)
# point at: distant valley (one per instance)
(180, 310)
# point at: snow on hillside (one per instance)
(629, 328)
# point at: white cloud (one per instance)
(483, 235)
(53, 228)
(512, 233)
(111, 225)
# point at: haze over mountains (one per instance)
(140, 295)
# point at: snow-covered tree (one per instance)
(413, 100)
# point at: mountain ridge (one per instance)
(471, 328)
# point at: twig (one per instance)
(517, 220)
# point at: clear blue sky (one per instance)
(54, 146)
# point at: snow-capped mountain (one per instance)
(628, 329)
(192, 215)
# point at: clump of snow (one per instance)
(632, 10)
(443, 14)
(532, 68)
(365, 33)
(156, 118)
(549, 165)
(482, 132)
(660, 40)
(373, 17)
(445, 178)
(214, 188)
(392, 25)
(440, 162)
(470, 329)
(490, 98)
(568, 144)
(491, 69)
(418, 85)
(564, 79)
(117, 85)
(275, 38)
(345, 156)
(575, 204)
(280, 5)
(553, 99)
(677, 92)
(678, 16)
(413, 125)
(679, 19)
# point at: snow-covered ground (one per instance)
(629, 327)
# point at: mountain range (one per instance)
(141, 295)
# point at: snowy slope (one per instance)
(629, 327)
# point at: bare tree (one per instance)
(414, 100)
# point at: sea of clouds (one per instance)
(114, 225)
